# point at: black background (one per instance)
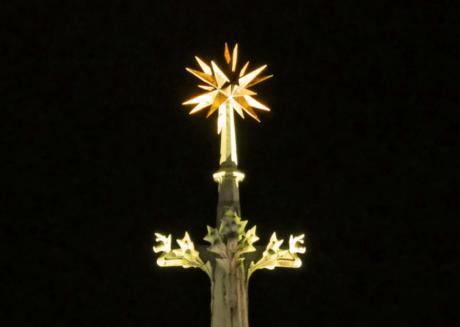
(357, 153)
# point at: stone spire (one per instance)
(231, 257)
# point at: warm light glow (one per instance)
(185, 256)
(219, 175)
(294, 242)
(228, 85)
(227, 91)
(274, 256)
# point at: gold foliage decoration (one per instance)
(275, 256)
(185, 256)
(231, 239)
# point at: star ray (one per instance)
(237, 107)
(228, 57)
(245, 80)
(202, 76)
(206, 87)
(205, 97)
(219, 99)
(235, 57)
(221, 78)
(256, 104)
(206, 69)
(199, 106)
(259, 80)
(243, 70)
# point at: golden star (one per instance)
(231, 87)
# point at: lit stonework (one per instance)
(232, 256)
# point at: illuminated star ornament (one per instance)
(228, 87)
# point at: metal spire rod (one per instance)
(228, 151)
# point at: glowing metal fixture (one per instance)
(222, 89)
(227, 90)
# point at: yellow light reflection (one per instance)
(275, 256)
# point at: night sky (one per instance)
(357, 153)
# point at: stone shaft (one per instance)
(229, 284)
(229, 294)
